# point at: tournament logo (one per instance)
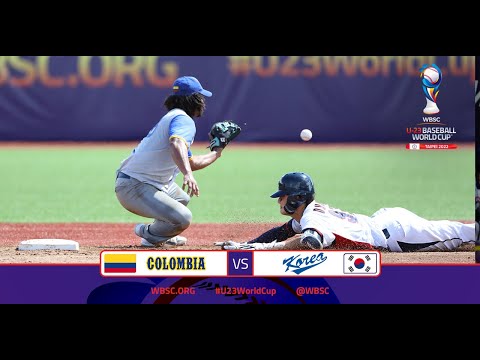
(431, 79)
(430, 128)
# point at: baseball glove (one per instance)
(222, 133)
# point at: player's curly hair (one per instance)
(188, 103)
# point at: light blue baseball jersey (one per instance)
(151, 161)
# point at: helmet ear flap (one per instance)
(293, 202)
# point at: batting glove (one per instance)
(262, 246)
(232, 245)
(228, 245)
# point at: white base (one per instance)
(48, 244)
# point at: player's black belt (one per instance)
(386, 233)
(121, 175)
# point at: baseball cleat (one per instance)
(146, 243)
(139, 229)
(176, 241)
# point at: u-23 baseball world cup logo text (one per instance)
(431, 79)
(431, 128)
(299, 264)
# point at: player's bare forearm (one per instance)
(198, 162)
(180, 155)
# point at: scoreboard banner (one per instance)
(264, 263)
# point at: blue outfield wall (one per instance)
(340, 98)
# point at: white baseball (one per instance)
(306, 135)
(431, 74)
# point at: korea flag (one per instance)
(360, 263)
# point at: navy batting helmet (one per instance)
(299, 188)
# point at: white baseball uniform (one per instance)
(395, 229)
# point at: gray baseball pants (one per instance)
(168, 208)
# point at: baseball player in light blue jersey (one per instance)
(145, 183)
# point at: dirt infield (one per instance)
(95, 237)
